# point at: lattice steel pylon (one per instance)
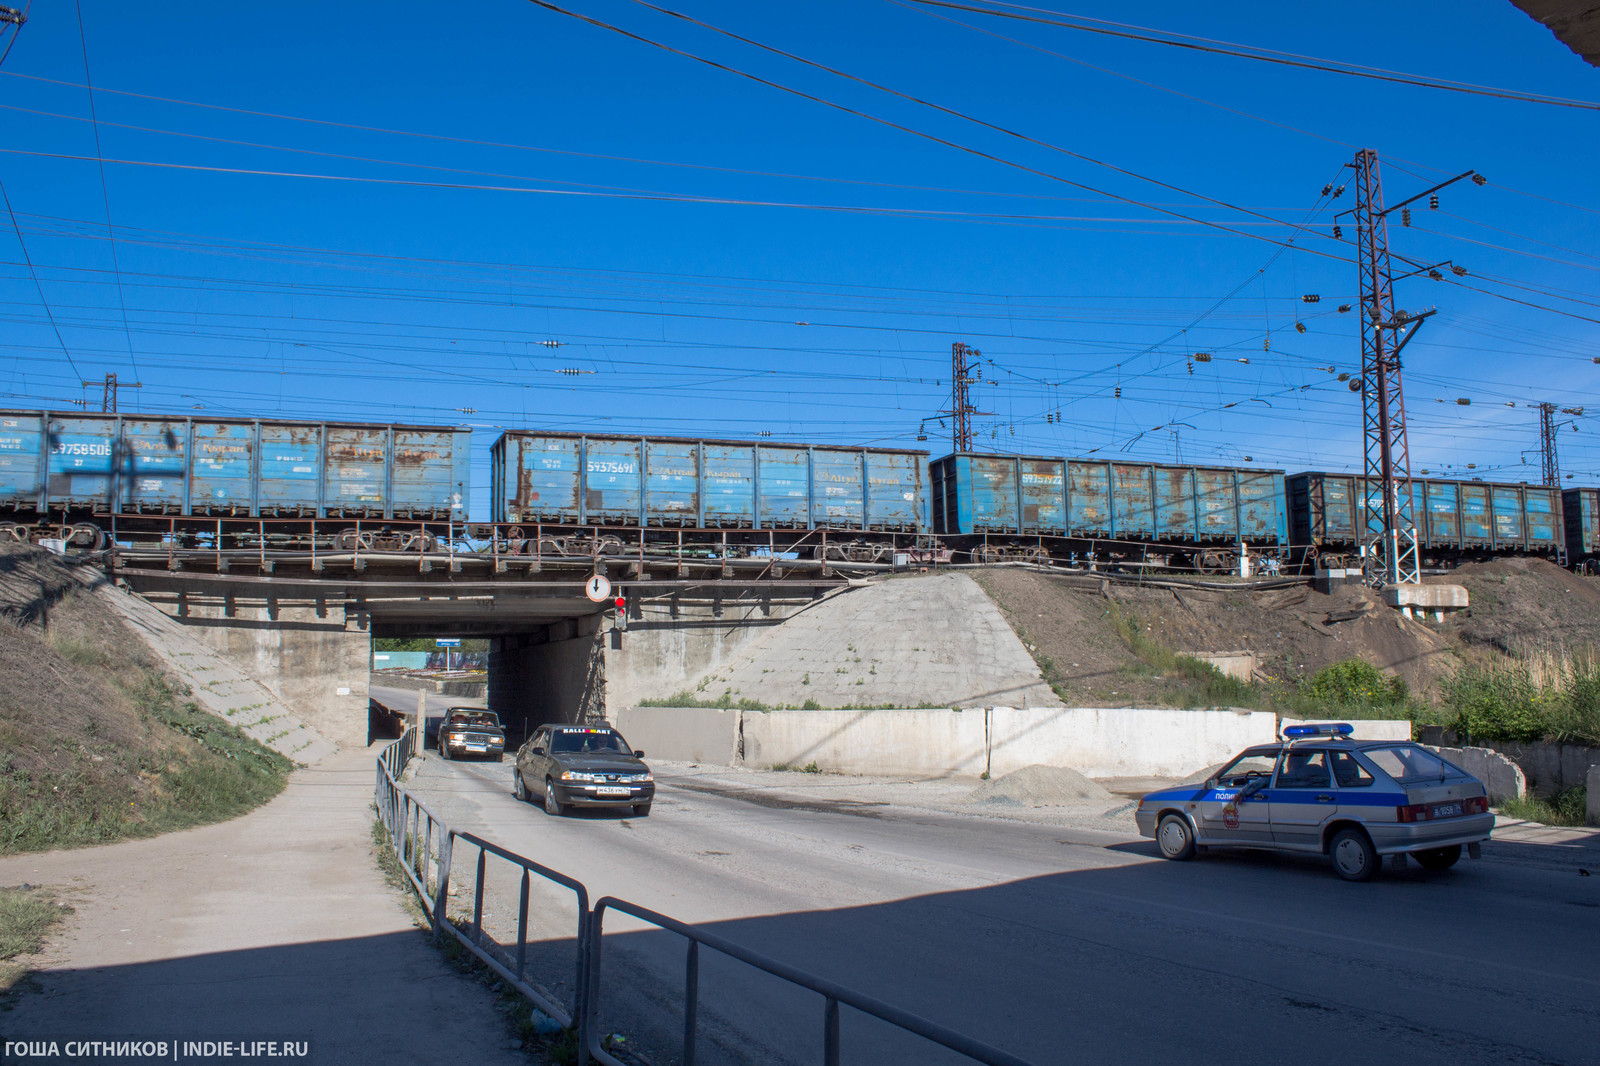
(1388, 528)
(963, 364)
(1547, 444)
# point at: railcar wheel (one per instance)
(1353, 856)
(1438, 858)
(1175, 838)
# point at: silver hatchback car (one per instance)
(1319, 791)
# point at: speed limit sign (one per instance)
(598, 589)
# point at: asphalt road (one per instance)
(1061, 945)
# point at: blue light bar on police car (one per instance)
(1336, 729)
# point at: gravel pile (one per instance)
(1041, 786)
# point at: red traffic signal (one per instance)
(622, 603)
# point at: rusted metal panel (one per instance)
(728, 485)
(1542, 518)
(151, 461)
(836, 488)
(547, 472)
(1133, 514)
(1176, 502)
(290, 469)
(1581, 517)
(80, 458)
(993, 480)
(22, 450)
(354, 469)
(1509, 531)
(1216, 508)
(1262, 518)
(1089, 498)
(429, 478)
(896, 491)
(672, 483)
(1442, 511)
(1477, 526)
(785, 484)
(222, 472)
(613, 484)
(1043, 499)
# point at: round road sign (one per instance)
(598, 588)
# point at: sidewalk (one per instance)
(277, 925)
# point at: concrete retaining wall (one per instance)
(1502, 778)
(1365, 728)
(1550, 768)
(1099, 742)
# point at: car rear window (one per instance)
(1407, 762)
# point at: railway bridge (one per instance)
(305, 623)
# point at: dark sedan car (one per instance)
(582, 766)
(471, 731)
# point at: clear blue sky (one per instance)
(829, 319)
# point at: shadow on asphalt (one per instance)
(1143, 962)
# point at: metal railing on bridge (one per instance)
(425, 847)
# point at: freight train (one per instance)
(279, 483)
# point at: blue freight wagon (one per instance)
(1100, 499)
(1453, 518)
(572, 479)
(1581, 511)
(55, 462)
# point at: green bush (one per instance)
(1355, 683)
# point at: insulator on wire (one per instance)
(1343, 308)
(1433, 202)
(1311, 298)
(1338, 232)
(1462, 401)
(1355, 384)
(1459, 271)
(1338, 192)
(1243, 359)
(1479, 179)
(1435, 275)
(1299, 327)
(1326, 189)
(1405, 216)
(1205, 357)
(1266, 343)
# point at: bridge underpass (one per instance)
(554, 655)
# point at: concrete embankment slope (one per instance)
(218, 686)
(934, 640)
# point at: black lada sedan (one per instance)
(582, 766)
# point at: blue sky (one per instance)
(621, 239)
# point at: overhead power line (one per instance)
(1130, 32)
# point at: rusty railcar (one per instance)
(555, 480)
(1580, 510)
(79, 465)
(1204, 513)
(1454, 519)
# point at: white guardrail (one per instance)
(425, 846)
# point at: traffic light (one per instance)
(622, 611)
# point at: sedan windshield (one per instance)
(585, 742)
(467, 718)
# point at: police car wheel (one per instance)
(1175, 838)
(1438, 858)
(1354, 858)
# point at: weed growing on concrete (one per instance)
(27, 915)
(1564, 808)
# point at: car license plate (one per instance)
(610, 790)
(476, 747)
(1446, 810)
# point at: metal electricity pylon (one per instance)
(963, 367)
(1547, 444)
(1388, 528)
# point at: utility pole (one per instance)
(108, 391)
(1547, 444)
(963, 367)
(1388, 531)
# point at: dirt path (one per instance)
(277, 925)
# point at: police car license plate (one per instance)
(611, 791)
(1446, 810)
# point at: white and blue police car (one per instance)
(1320, 791)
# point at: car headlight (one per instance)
(575, 775)
(640, 779)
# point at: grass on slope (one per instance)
(96, 745)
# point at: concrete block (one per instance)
(681, 734)
(1502, 778)
(1239, 665)
(1592, 812)
(1365, 729)
(1426, 597)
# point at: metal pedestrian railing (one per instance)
(425, 848)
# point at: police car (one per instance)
(1321, 792)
